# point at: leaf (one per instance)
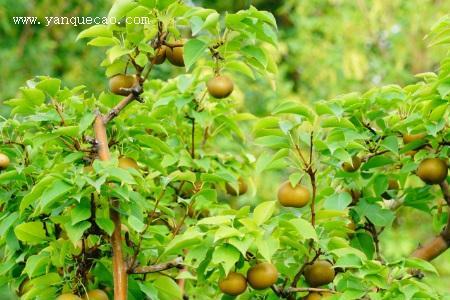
(120, 8)
(217, 220)
(267, 247)
(390, 143)
(136, 224)
(31, 232)
(193, 50)
(375, 213)
(293, 108)
(225, 255)
(49, 85)
(304, 228)
(167, 288)
(338, 201)
(186, 240)
(263, 212)
(106, 224)
(81, 212)
(211, 20)
(377, 161)
(364, 242)
(75, 232)
(417, 263)
(240, 67)
(348, 261)
(95, 31)
(36, 192)
(225, 232)
(53, 193)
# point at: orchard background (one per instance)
(284, 136)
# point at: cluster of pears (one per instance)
(120, 84)
(173, 54)
(260, 276)
(293, 196)
(4, 161)
(91, 295)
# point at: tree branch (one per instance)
(114, 112)
(305, 289)
(440, 243)
(119, 273)
(175, 263)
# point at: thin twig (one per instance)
(175, 263)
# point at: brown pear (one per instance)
(352, 167)
(289, 196)
(262, 275)
(321, 272)
(175, 55)
(243, 188)
(409, 138)
(220, 86)
(127, 162)
(234, 284)
(68, 296)
(96, 295)
(160, 55)
(432, 170)
(4, 161)
(119, 82)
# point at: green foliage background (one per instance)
(326, 48)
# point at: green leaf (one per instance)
(167, 288)
(49, 85)
(95, 31)
(75, 232)
(375, 213)
(120, 8)
(217, 220)
(417, 263)
(31, 232)
(267, 247)
(240, 67)
(186, 240)
(36, 192)
(81, 212)
(292, 107)
(364, 242)
(377, 161)
(225, 232)
(106, 224)
(225, 255)
(338, 201)
(193, 50)
(53, 193)
(263, 212)
(304, 228)
(390, 143)
(348, 261)
(136, 224)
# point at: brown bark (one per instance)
(119, 268)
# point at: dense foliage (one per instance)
(162, 181)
